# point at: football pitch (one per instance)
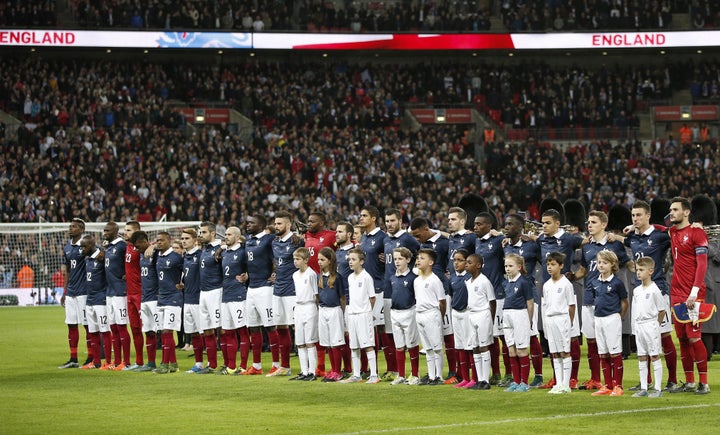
(37, 397)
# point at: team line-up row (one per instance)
(468, 293)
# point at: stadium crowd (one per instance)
(363, 16)
(325, 138)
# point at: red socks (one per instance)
(414, 353)
(211, 346)
(524, 362)
(137, 338)
(670, 357)
(388, 347)
(273, 339)
(616, 363)
(335, 359)
(450, 353)
(231, 348)
(115, 334)
(197, 343)
(320, 356)
(594, 360)
(515, 369)
(505, 355)
(462, 371)
(285, 345)
(244, 346)
(168, 347)
(701, 360)
(575, 355)
(151, 346)
(536, 354)
(607, 372)
(95, 344)
(257, 342)
(108, 345)
(73, 339)
(687, 357)
(124, 343)
(400, 362)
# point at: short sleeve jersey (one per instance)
(462, 239)
(169, 268)
(608, 295)
(360, 288)
(115, 267)
(75, 263)
(589, 261)
(491, 250)
(315, 242)
(259, 251)
(233, 264)
(517, 293)
(372, 244)
(330, 295)
(401, 239)
(403, 290)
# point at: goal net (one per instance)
(31, 257)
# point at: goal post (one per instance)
(31, 256)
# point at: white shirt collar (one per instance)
(347, 247)
(602, 241)
(96, 253)
(517, 277)
(649, 230)
(398, 234)
(373, 232)
(166, 253)
(519, 243)
(117, 240)
(78, 242)
(560, 233)
(234, 247)
(460, 233)
(612, 275)
(286, 237)
(216, 242)
(402, 274)
(192, 251)
(435, 237)
(260, 235)
(463, 273)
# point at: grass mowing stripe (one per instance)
(532, 419)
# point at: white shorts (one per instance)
(481, 329)
(387, 316)
(404, 328)
(117, 310)
(306, 324)
(666, 325)
(284, 310)
(210, 309)
(516, 325)
(361, 331)
(588, 321)
(259, 306)
(447, 325)
(232, 315)
(191, 318)
(461, 329)
(170, 317)
(498, 321)
(430, 329)
(647, 338)
(534, 326)
(331, 327)
(149, 316)
(379, 310)
(97, 318)
(75, 310)
(608, 333)
(557, 332)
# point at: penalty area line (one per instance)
(532, 419)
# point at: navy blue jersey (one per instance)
(372, 244)
(284, 266)
(401, 239)
(234, 263)
(517, 293)
(115, 268)
(589, 261)
(491, 250)
(95, 282)
(259, 259)
(191, 276)
(462, 239)
(343, 267)
(608, 295)
(169, 268)
(562, 242)
(210, 269)
(403, 291)
(149, 278)
(330, 296)
(530, 252)
(75, 263)
(653, 244)
(458, 290)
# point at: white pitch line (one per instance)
(531, 419)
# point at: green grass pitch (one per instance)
(39, 398)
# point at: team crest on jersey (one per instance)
(462, 241)
(427, 285)
(287, 248)
(516, 289)
(609, 288)
(115, 248)
(359, 284)
(490, 245)
(322, 239)
(397, 244)
(685, 238)
(167, 263)
(559, 290)
(372, 242)
(521, 252)
(67, 252)
(559, 242)
(647, 295)
(405, 283)
(434, 245)
(235, 257)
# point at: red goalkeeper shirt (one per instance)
(132, 271)
(689, 251)
(315, 242)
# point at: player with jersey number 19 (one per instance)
(74, 296)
